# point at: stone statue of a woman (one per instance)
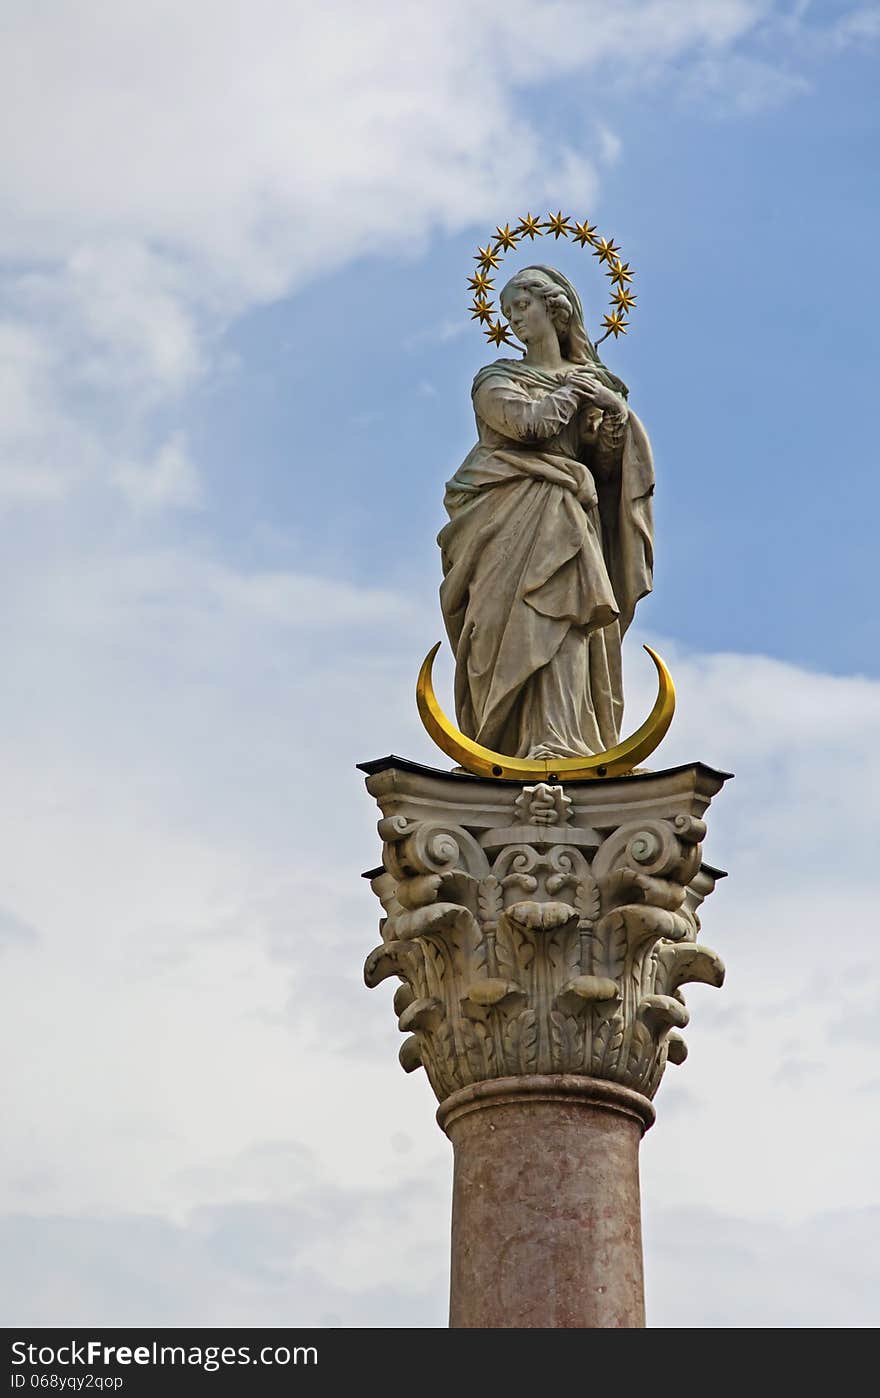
(549, 544)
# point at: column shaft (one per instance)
(546, 1223)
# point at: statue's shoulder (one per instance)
(499, 368)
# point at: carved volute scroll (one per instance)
(533, 934)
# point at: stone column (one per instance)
(546, 1225)
(541, 936)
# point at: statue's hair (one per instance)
(558, 305)
(565, 311)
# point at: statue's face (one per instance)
(527, 313)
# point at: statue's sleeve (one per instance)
(609, 441)
(505, 406)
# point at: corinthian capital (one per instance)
(541, 930)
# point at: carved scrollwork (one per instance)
(541, 960)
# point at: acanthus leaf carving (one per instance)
(435, 918)
(540, 917)
(588, 900)
(585, 992)
(685, 963)
(567, 1040)
(541, 959)
(410, 1055)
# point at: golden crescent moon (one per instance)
(483, 762)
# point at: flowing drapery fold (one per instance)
(547, 551)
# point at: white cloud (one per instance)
(43, 451)
(321, 1260)
(127, 305)
(185, 748)
(22, 361)
(610, 145)
(709, 1267)
(166, 168)
(266, 150)
(860, 26)
(171, 479)
(177, 735)
(15, 932)
(743, 83)
(178, 600)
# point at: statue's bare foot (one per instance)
(543, 753)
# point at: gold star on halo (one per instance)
(487, 257)
(623, 298)
(480, 283)
(605, 249)
(584, 233)
(504, 238)
(614, 323)
(620, 272)
(530, 226)
(497, 333)
(558, 225)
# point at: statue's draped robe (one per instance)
(548, 548)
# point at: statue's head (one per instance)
(540, 297)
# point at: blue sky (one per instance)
(751, 223)
(235, 363)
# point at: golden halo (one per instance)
(488, 259)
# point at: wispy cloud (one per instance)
(15, 932)
(178, 733)
(216, 171)
(205, 829)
